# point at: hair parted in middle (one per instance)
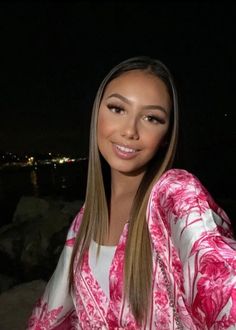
(95, 222)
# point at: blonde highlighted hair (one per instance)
(95, 222)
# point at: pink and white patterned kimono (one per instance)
(194, 269)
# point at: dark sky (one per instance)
(54, 55)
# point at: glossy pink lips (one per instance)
(124, 152)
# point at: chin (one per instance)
(130, 171)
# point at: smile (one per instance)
(125, 149)
(125, 153)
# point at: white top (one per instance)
(100, 265)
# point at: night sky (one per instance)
(54, 55)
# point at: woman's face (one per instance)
(133, 120)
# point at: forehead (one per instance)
(141, 84)
(136, 77)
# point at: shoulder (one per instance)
(175, 179)
(178, 186)
(179, 194)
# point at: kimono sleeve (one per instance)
(201, 232)
(55, 309)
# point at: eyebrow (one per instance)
(146, 107)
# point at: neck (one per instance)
(122, 184)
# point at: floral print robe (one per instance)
(194, 265)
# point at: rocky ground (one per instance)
(29, 250)
(17, 304)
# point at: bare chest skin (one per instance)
(120, 208)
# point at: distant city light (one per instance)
(8, 159)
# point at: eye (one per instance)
(154, 119)
(115, 108)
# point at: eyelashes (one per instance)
(117, 109)
(154, 119)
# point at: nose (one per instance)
(130, 129)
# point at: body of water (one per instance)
(66, 181)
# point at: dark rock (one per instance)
(18, 304)
(30, 246)
(6, 282)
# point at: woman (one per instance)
(150, 249)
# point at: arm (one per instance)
(55, 309)
(200, 231)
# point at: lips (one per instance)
(125, 152)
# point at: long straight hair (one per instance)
(95, 222)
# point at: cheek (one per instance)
(155, 145)
(155, 140)
(105, 126)
(104, 130)
(101, 125)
